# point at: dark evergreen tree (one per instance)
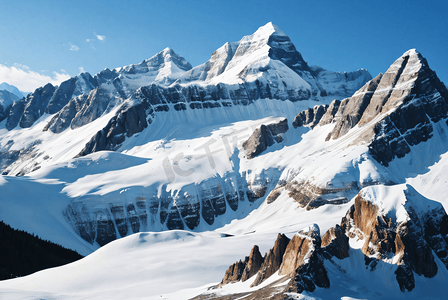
(22, 253)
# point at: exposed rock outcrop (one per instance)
(272, 260)
(75, 86)
(243, 270)
(311, 196)
(27, 110)
(336, 243)
(311, 116)
(128, 121)
(7, 99)
(264, 137)
(394, 111)
(299, 259)
(233, 274)
(254, 262)
(101, 219)
(402, 228)
(412, 240)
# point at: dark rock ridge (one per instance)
(272, 260)
(27, 110)
(299, 259)
(101, 219)
(412, 242)
(83, 98)
(7, 99)
(264, 137)
(394, 111)
(243, 270)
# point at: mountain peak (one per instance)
(12, 89)
(411, 52)
(266, 31)
(167, 52)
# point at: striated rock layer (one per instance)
(102, 219)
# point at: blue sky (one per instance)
(42, 41)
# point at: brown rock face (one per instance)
(376, 228)
(330, 114)
(299, 258)
(300, 249)
(303, 262)
(244, 270)
(335, 242)
(351, 111)
(412, 241)
(311, 196)
(264, 137)
(308, 276)
(272, 260)
(233, 274)
(253, 264)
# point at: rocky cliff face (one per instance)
(264, 137)
(411, 239)
(84, 98)
(390, 114)
(299, 260)
(101, 219)
(7, 99)
(394, 111)
(400, 227)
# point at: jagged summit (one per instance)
(269, 60)
(265, 32)
(166, 66)
(393, 111)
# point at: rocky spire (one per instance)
(272, 260)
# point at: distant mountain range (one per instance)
(12, 89)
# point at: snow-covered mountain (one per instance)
(12, 89)
(7, 99)
(138, 94)
(180, 171)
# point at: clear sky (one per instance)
(43, 41)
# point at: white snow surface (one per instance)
(395, 201)
(182, 264)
